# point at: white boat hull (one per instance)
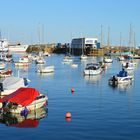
(18, 48)
(48, 69)
(93, 72)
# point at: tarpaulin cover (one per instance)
(22, 96)
(28, 123)
(13, 83)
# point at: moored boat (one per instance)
(11, 84)
(47, 69)
(40, 60)
(67, 59)
(121, 78)
(92, 69)
(83, 57)
(23, 100)
(107, 60)
(17, 48)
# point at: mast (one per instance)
(82, 46)
(108, 41)
(134, 43)
(101, 37)
(130, 37)
(121, 43)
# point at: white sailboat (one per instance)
(108, 59)
(83, 56)
(68, 58)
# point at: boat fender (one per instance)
(24, 112)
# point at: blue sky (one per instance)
(33, 21)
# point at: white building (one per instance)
(85, 43)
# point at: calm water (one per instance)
(98, 110)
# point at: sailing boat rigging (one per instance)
(83, 56)
(121, 57)
(108, 58)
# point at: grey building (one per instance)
(78, 43)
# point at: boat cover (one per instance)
(22, 96)
(13, 83)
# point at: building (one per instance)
(78, 43)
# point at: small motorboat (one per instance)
(83, 57)
(24, 59)
(121, 78)
(11, 84)
(74, 65)
(23, 100)
(47, 69)
(92, 69)
(121, 58)
(129, 66)
(40, 60)
(67, 59)
(107, 60)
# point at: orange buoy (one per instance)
(68, 115)
(72, 90)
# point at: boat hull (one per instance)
(92, 72)
(33, 106)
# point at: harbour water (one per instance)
(98, 110)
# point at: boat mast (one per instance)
(134, 45)
(101, 36)
(130, 38)
(82, 46)
(108, 41)
(120, 44)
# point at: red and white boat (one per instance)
(23, 100)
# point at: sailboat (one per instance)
(83, 56)
(121, 58)
(108, 59)
(130, 64)
(68, 58)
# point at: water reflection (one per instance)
(29, 121)
(93, 79)
(45, 74)
(123, 87)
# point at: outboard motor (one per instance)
(25, 81)
(114, 81)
